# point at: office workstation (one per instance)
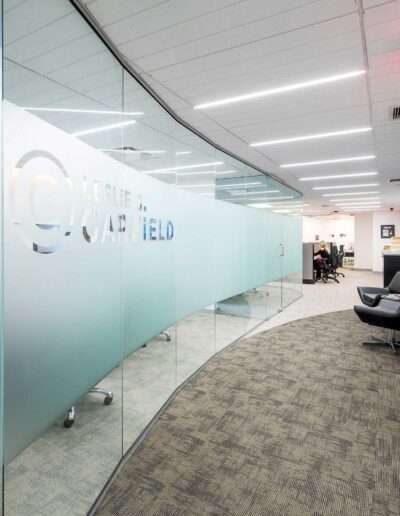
(200, 259)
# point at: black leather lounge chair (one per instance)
(386, 314)
(370, 296)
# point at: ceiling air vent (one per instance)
(395, 112)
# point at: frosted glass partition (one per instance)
(133, 251)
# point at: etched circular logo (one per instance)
(41, 200)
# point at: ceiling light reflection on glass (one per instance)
(282, 89)
(171, 170)
(240, 185)
(315, 136)
(104, 128)
(129, 151)
(88, 111)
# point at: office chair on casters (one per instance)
(337, 261)
(386, 314)
(327, 272)
(371, 296)
(108, 397)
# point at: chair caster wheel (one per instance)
(68, 423)
(108, 400)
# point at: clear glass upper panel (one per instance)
(59, 70)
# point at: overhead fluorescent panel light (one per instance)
(315, 136)
(338, 176)
(367, 208)
(282, 89)
(356, 199)
(348, 193)
(361, 203)
(181, 153)
(104, 128)
(327, 161)
(344, 186)
(361, 208)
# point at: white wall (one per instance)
(363, 241)
(381, 218)
(324, 226)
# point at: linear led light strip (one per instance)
(338, 176)
(170, 170)
(181, 153)
(315, 136)
(365, 208)
(327, 161)
(348, 193)
(90, 111)
(344, 186)
(361, 203)
(356, 199)
(361, 208)
(104, 128)
(281, 89)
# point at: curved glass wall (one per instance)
(133, 252)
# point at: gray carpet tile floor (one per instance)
(298, 420)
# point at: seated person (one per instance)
(319, 257)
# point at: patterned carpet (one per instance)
(297, 420)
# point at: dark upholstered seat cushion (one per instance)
(385, 315)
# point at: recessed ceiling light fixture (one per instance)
(104, 128)
(315, 136)
(89, 111)
(327, 161)
(355, 199)
(363, 203)
(344, 186)
(361, 208)
(338, 176)
(170, 170)
(282, 89)
(348, 193)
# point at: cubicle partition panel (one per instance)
(134, 250)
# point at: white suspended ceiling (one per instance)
(192, 52)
